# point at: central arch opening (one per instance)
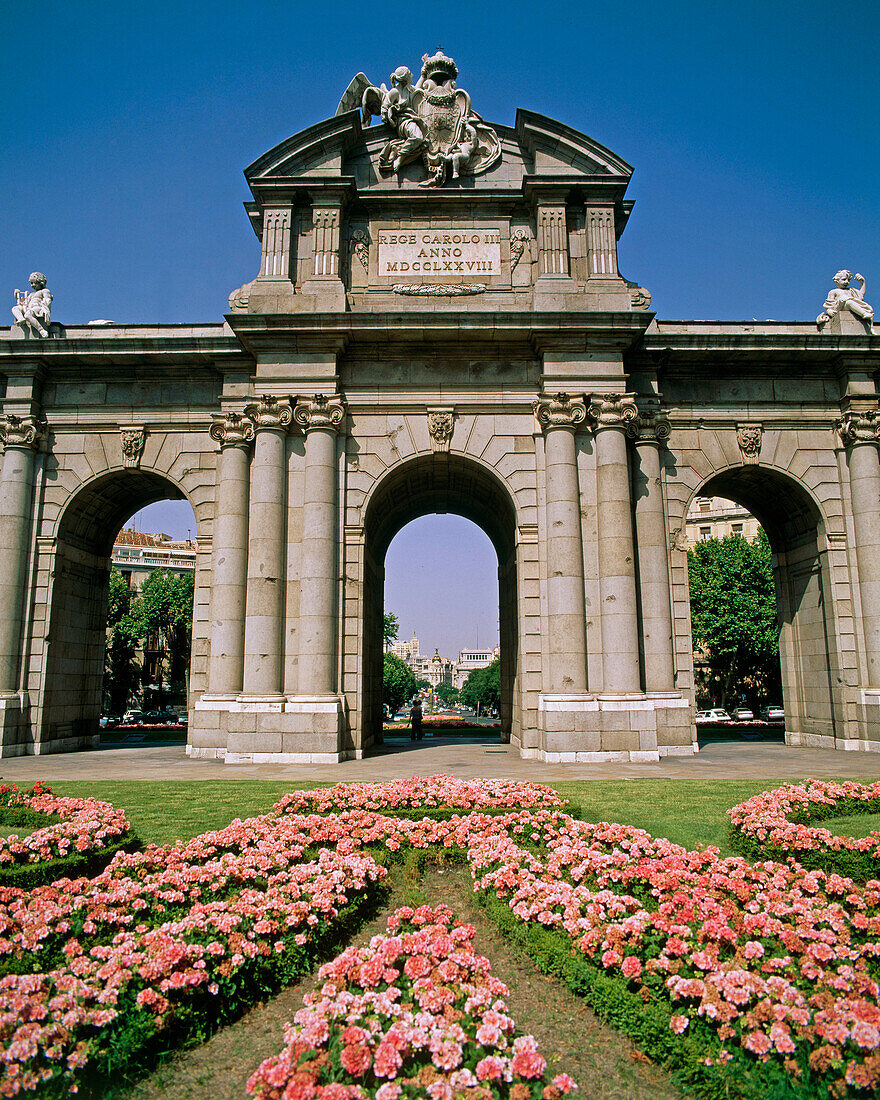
(438, 484)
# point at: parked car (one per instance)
(712, 717)
(743, 714)
(133, 718)
(772, 714)
(107, 723)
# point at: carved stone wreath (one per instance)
(438, 290)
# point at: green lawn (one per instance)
(851, 824)
(689, 812)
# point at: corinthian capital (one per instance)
(560, 411)
(613, 410)
(270, 412)
(232, 429)
(859, 427)
(320, 411)
(22, 431)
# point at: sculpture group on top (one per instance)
(432, 119)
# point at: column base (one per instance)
(269, 730)
(638, 728)
(15, 729)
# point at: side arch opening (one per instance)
(77, 606)
(808, 649)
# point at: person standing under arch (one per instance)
(415, 718)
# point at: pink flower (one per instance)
(678, 1023)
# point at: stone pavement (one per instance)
(772, 762)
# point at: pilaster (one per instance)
(21, 436)
(859, 432)
(324, 284)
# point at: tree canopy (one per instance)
(390, 627)
(447, 693)
(733, 616)
(482, 689)
(161, 610)
(398, 682)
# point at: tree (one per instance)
(120, 667)
(447, 694)
(733, 615)
(482, 689)
(164, 610)
(390, 628)
(423, 685)
(398, 682)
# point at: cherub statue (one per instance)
(31, 310)
(396, 109)
(845, 298)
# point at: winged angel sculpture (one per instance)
(432, 118)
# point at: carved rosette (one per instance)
(22, 431)
(270, 414)
(441, 422)
(320, 411)
(132, 438)
(613, 410)
(749, 437)
(859, 427)
(232, 429)
(560, 411)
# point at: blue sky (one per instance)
(752, 129)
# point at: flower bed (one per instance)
(434, 791)
(99, 972)
(88, 831)
(775, 825)
(416, 1013)
(768, 962)
(747, 980)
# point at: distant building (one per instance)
(137, 554)
(715, 518)
(471, 659)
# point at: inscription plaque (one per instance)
(439, 252)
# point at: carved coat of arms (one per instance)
(432, 119)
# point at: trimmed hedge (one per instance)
(23, 876)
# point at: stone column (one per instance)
(234, 433)
(860, 433)
(649, 432)
(22, 437)
(266, 540)
(611, 414)
(321, 418)
(559, 417)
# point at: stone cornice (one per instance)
(232, 429)
(270, 414)
(22, 431)
(859, 427)
(560, 411)
(613, 410)
(320, 411)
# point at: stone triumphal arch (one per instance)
(439, 324)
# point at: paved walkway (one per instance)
(467, 759)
